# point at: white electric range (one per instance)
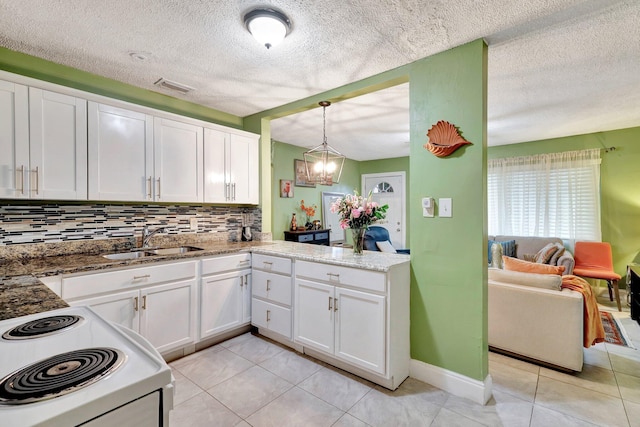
(71, 367)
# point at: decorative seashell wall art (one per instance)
(444, 139)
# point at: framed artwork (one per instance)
(301, 174)
(286, 188)
(332, 220)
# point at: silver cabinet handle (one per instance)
(268, 285)
(245, 262)
(144, 302)
(330, 303)
(335, 304)
(227, 191)
(158, 188)
(20, 170)
(144, 276)
(135, 304)
(36, 180)
(233, 186)
(149, 188)
(268, 315)
(337, 276)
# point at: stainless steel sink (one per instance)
(174, 251)
(129, 255)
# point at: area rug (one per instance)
(614, 334)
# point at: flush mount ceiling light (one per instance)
(268, 26)
(323, 163)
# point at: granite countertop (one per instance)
(23, 295)
(370, 260)
(78, 263)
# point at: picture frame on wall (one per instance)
(286, 188)
(331, 221)
(300, 172)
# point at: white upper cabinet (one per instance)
(14, 140)
(58, 146)
(177, 161)
(120, 154)
(43, 140)
(231, 167)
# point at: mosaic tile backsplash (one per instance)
(24, 223)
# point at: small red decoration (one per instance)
(444, 139)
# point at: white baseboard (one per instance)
(452, 382)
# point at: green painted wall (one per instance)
(448, 255)
(619, 184)
(30, 66)
(282, 168)
(397, 164)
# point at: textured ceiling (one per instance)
(556, 67)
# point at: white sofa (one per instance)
(531, 318)
(531, 245)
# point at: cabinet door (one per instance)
(216, 189)
(360, 329)
(120, 154)
(178, 161)
(313, 313)
(243, 169)
(168, 313)
(246, 298)
(58, 146)
(221, 303)
(14, 140)
(122, 308)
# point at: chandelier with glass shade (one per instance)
(323, 163)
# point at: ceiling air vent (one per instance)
(178, 87)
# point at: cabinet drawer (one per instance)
(110, 281)
(305, 238)
(274, 287)
(322, 236)
(272, 263)
(225, 263)
(271, 316)
(338, 275)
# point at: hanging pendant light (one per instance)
(323, 163)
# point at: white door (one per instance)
(215, 180)
(167, 317)
(221, 303)
(122, 308)
(243, 168)
(360, 329)
(120, 154)
(14, 140)
(389, 188)
(177, 161)
(313, 313)
(58, 146)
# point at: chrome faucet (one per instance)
(147, 235)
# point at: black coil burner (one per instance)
(42, 327)
(59, 375)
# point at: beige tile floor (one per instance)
(251, 381)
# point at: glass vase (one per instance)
(358, 240)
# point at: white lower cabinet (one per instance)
(346, 323)
(354, 318)
(159, 302)
(272, 295)
(225, 294)
(224, 302)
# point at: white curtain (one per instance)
(546, 195)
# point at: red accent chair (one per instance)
(594, 261)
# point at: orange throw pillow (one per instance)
(515, 264)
